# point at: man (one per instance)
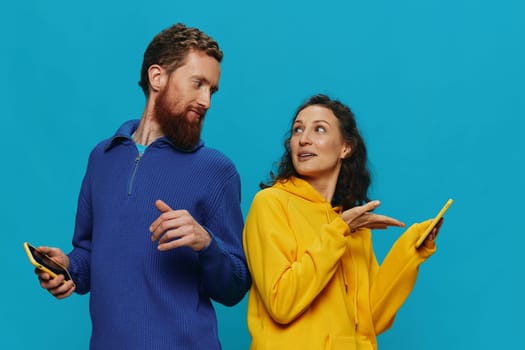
(158, 226)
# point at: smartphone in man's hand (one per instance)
(45, 263)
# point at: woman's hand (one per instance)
(428, 242)
(361, 217)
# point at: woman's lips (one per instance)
(305, 155)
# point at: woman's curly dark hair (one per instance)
(354, 178)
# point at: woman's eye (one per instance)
(297, 130)
(320, 129)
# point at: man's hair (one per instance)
(170, 47)
(354, 177)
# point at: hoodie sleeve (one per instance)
(393, 281)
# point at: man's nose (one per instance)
(204, 98)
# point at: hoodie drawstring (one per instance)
(345, 281)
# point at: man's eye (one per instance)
(197, 83)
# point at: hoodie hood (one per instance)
(300, 188)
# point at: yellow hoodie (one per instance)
(315, 284)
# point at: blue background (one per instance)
(439, 94)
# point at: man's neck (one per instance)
(148, 130)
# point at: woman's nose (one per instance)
(304, 139)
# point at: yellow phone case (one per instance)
(434, 223)
(29, 248)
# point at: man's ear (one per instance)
(157, 77)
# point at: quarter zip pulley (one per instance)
(133, 173)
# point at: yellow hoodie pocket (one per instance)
(349, 343)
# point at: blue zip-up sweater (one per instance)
(142, 298)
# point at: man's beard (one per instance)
(183, 133)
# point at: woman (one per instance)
(316, 281)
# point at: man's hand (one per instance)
(58, 286)
(361, 217)
(177, 228)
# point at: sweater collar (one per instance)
(128, 128)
